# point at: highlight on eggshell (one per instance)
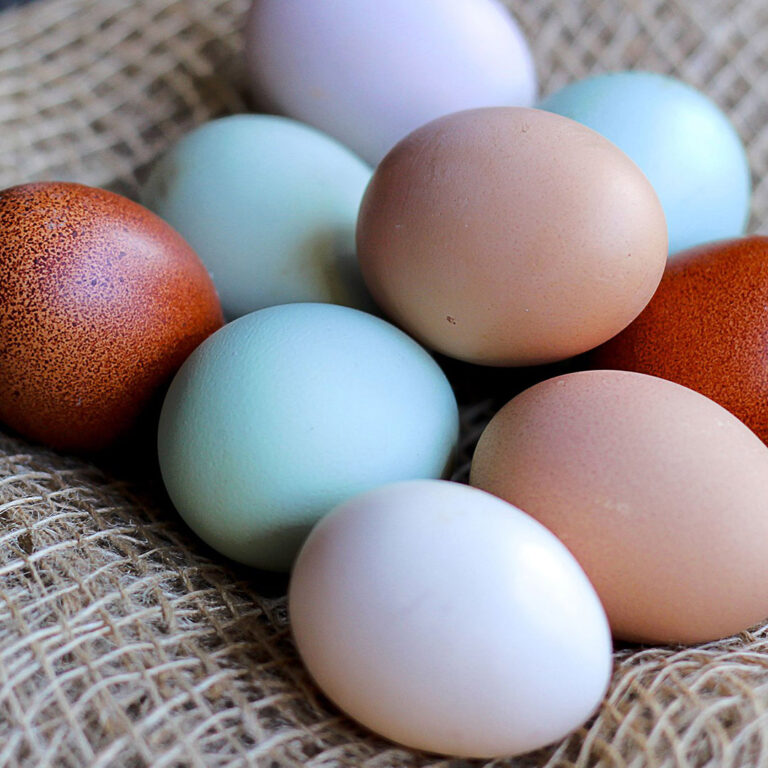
(657, 491)
(706, 328)
(270, 206)
(101, 302)
(510, 236)
(680, 139)
(368, 72)
(447, 620)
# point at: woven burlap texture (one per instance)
(123, 641)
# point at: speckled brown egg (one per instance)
(707, 328)
(658, 492)
(510, 236)
(100, 303)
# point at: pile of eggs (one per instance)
(313, 431)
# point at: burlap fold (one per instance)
(123, 640)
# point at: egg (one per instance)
(368, 72)
(682, 141)
(706, 328)
(658, 492)
(270, 206)
(100, 303)
(448, 620)
(290, 410)
(510, 236)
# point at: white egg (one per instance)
(369, 72)
(445, 619)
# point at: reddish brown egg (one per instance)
(707, 328)
(100, 302)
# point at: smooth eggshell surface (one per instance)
(368, 72)
(101, 302)
(658, 492)
(290, 410)
(681, 140)
(270, 206)
(447, 620)
(706, 328)
(510, 236)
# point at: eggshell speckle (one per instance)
(100, 302)
(290, 410)
(447, 620)
(658, 492)
(510, 236)
(368, 72)
(706, 328)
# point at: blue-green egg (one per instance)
(680, 139)
(290, 410)
(270, 206)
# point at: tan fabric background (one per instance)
(124, 641)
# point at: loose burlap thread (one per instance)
(123, 640)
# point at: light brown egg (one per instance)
(510, 236)
(660, 493)
(100, 302)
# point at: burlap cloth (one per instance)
(123, 640)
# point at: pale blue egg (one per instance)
(270, 206)
(681, 140)
(288, 411)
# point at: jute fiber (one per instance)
(123, 640)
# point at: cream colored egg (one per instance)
(447, 620)
(368, 72)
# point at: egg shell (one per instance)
(659, 493)
(369, 72)
(510, 236)
(100, 303)
(447, 620)
(290, 410)
(705, 328)
(682, 141)
(270, 206)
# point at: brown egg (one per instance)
(659, 493)
(510, 236)
(100, 302)
(707, 328)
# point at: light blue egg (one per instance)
(288, 411)
(270, 206)
(681, 140)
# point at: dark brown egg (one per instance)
(100, 302)
(707, 328)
